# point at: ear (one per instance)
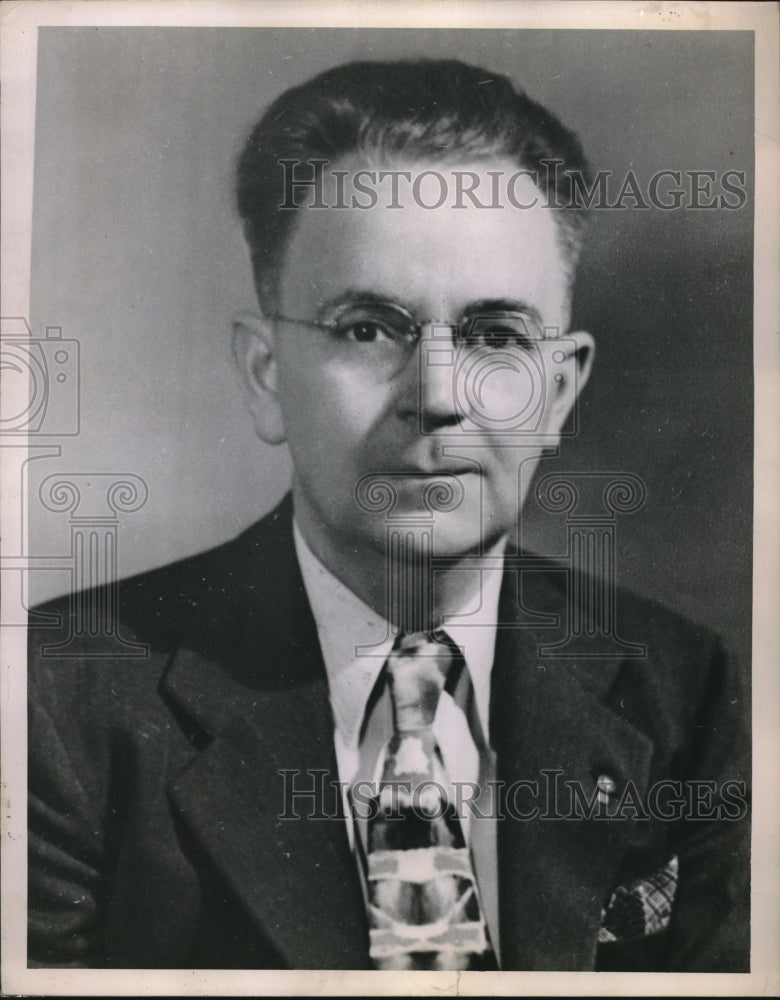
(569, 361)
(253, 352)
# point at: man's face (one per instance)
(358, 410)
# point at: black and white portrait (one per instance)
(385, 450)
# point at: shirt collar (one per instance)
(356, 641)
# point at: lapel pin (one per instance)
(606, 786)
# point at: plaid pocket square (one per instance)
(642, 908)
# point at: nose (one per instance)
(436, 403)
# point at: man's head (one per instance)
(406, 344)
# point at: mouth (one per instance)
(435, 488)
(433, 463)
(437, 471)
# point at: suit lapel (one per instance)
(549, 725)
(264, 723)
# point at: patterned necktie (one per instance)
(424, 908)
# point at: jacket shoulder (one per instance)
(183, 602)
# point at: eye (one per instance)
(497, 336)
(496, 332)
(365, 331)
(375, 325)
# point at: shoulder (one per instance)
(671, 640)
(595, 607)
(639, 652)
(682, 682)
(676, 645)
(160, 606)
(114, 642)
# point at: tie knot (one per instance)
(417, 667)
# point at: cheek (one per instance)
(326, 398)
(324, 417)
(302, 394)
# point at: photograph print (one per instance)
(388, 568)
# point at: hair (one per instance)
(435, 110)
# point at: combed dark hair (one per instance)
(434, 110)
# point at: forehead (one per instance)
(435, 259)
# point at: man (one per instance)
(359, 738)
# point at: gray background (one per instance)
(137, 253)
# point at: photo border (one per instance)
(19, 22)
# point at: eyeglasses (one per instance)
(381, 337)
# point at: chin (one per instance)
(463, 544)
(455, 535)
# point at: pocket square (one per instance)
(642, 908)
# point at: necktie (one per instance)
(424, 908)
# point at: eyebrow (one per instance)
(353, 295)
(489, 306)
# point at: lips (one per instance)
(434, 461)
(434, 471)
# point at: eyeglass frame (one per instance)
(415, 325)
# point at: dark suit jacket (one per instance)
(156, 789)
